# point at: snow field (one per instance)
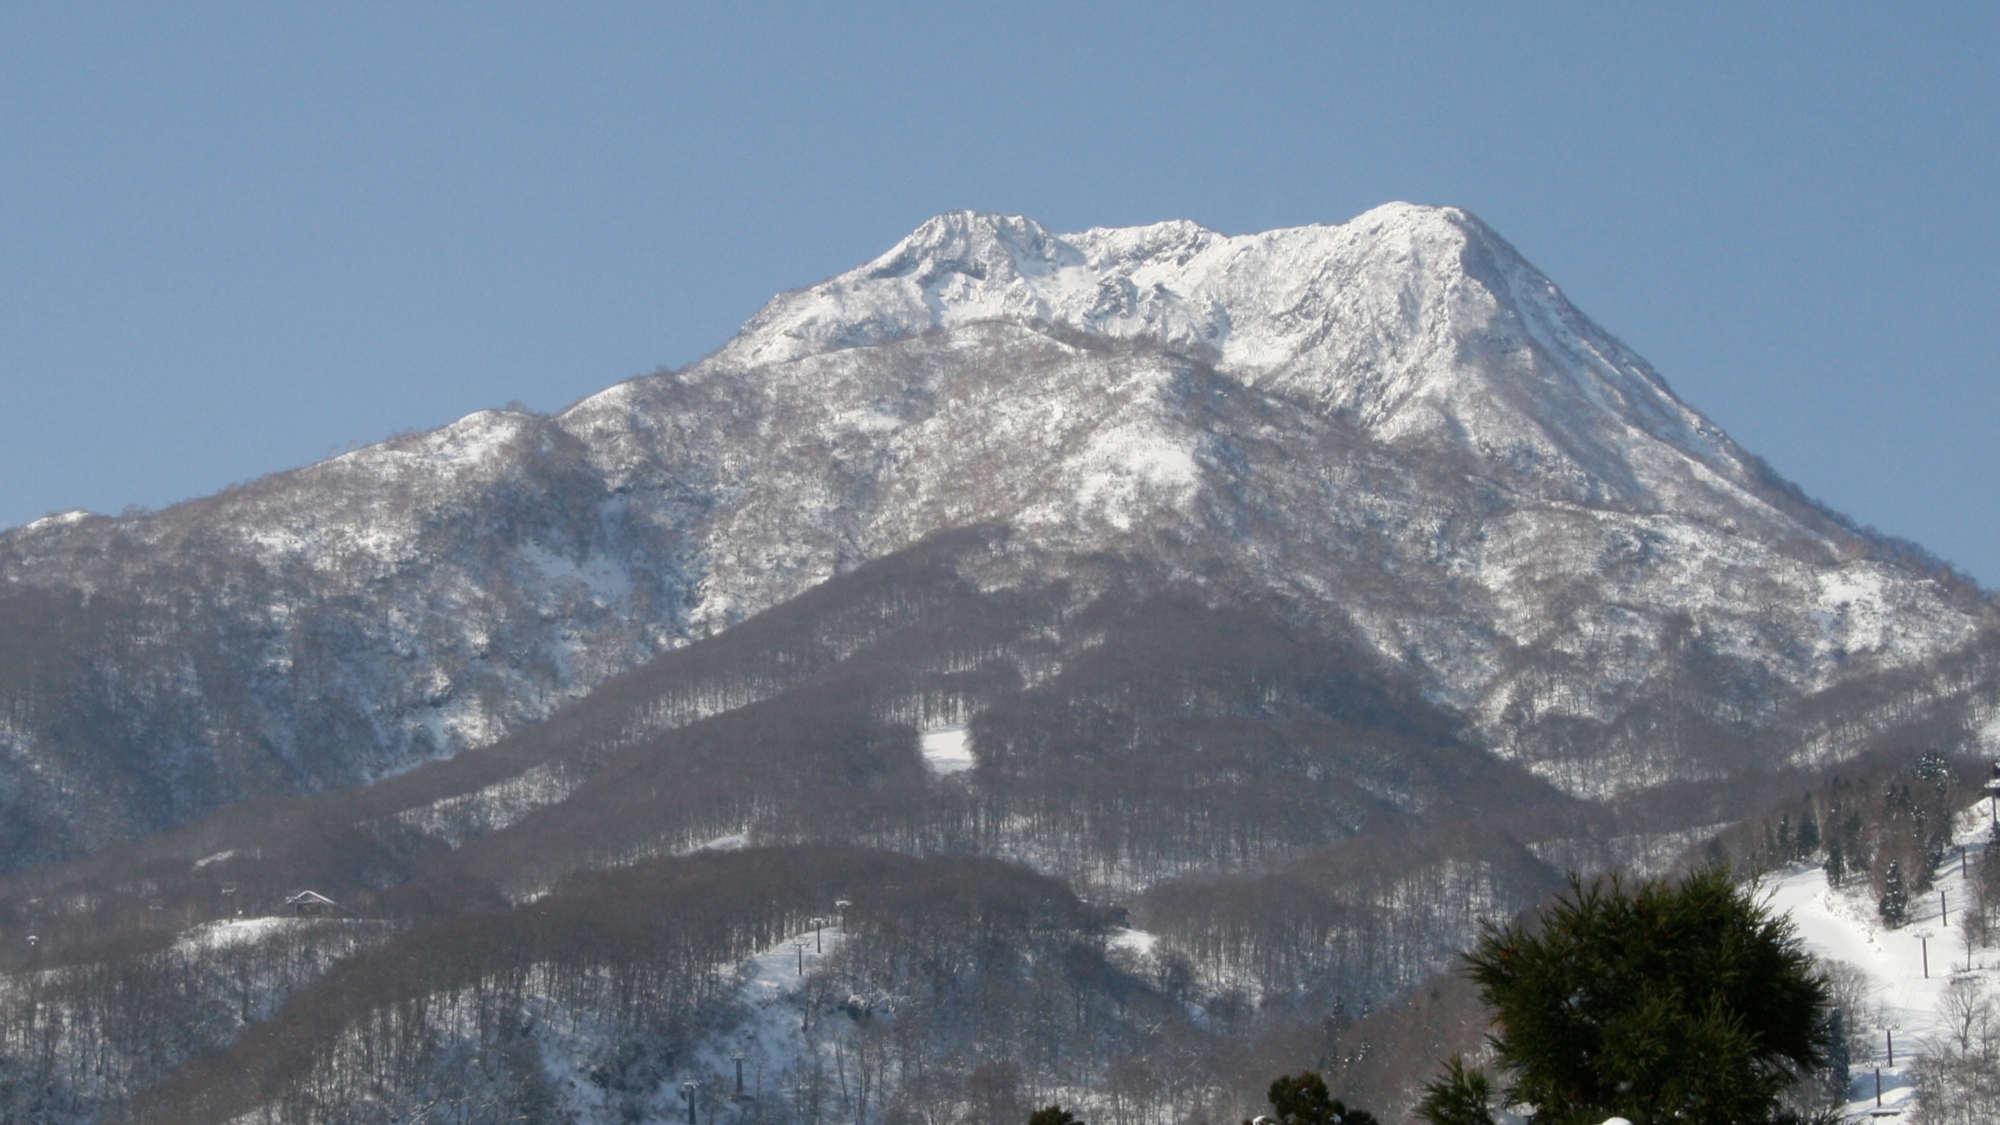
(769, 1033)
(947, 750)
(1907, 993)
(772, 1036)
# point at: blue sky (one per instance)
(234, 238)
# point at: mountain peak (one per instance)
(1395, 424)
(976, 244)
(1260, 300)
(1419, 323)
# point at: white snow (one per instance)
(236, 931)
(454, 820)
(60, 519)
(1139, 943)
(209, 936)
(1852, 607)
(218, 857)
(947, 750)
(1363, 317)
(1842, 925)
(770, 1034)
(729, 842)
(604, 579)
(1121, 466)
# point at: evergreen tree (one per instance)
(1457, 1097)
(1053, 1115)
(1836, 864)
(1895, 905)
(1683, 1002)
(1304, 1100)
(1808, 835)
(1838, 1060)
(1936, 848)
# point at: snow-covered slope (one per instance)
(1923, 986)
(1417, 322)
(1396, 420)
(1395, 426)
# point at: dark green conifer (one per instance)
(1683, 1002)
(1457, 1097)
(1839, 1062)
(1808, 835)
(1895, 905)
(1303, 1099)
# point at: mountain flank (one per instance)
(1395, 426)
(1172, 645)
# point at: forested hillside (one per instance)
(1149, 654)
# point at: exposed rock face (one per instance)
(1395, 426)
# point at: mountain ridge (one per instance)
(1395, 423)
(1316, 594)
(1192, 289)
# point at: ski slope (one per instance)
(1908, 968)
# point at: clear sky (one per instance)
(234, 238)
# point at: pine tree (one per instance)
(1932, 766)
(1457, 1097)
(1304, 1100)
(1838, 1060)
(1808, 835)
(1895, 905)
(1053, 1115)
(1836, 864)
(1936, 848)
(1682, 1002)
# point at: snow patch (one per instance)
(606, 581)
(1139, 943)
(456, 820)
(734, 841)
(60, 519)
(1853, 609)
(947, 750)
(218, 857)
(771, 1035)
(1121, 466)
(237, 931)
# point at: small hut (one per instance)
(311, 903)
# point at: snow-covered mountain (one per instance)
(1395, 428)
(1414, 322)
